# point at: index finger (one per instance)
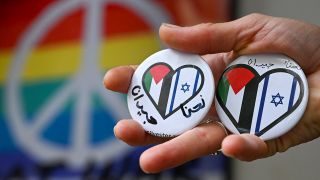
(199, 141)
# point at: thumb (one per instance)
(211, 38)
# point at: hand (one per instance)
(220, 44)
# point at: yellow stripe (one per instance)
(61, 60)
(5, 57)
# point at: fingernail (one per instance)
(104, 80)
(114, 131)
(169, 25)
(225, 146)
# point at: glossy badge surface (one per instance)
(263, 94)
(170, 92)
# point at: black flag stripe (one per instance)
(247, 106)
(164, 95)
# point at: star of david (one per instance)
(277, 99)
(185, 87)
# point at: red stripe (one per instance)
(120, 20)
(17, 16)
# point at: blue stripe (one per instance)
(174, 91)
(293, 91)
(263, 97)
(196, 82)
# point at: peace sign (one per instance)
(81, 87)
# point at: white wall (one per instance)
(301, 162)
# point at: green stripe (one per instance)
(223, 89)
(147, 81)
(35, 94)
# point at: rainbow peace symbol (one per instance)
(80, 87)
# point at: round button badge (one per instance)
(170, 92)
(263, 94)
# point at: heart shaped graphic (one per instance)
(258, 101)
(170, 89)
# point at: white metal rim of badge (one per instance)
(170, 92)
(262, 94)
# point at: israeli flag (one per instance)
(184, 85)
(275, 98)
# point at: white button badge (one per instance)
(170, 92)
(263, 94)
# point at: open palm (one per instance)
(219, 44)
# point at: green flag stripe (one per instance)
(223, 89)
(147, 81)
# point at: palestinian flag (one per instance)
(168, 89)
(232, 87)
(154, 79)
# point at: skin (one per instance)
(219, 44)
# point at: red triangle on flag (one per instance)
(238, 78)
(158, 72)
